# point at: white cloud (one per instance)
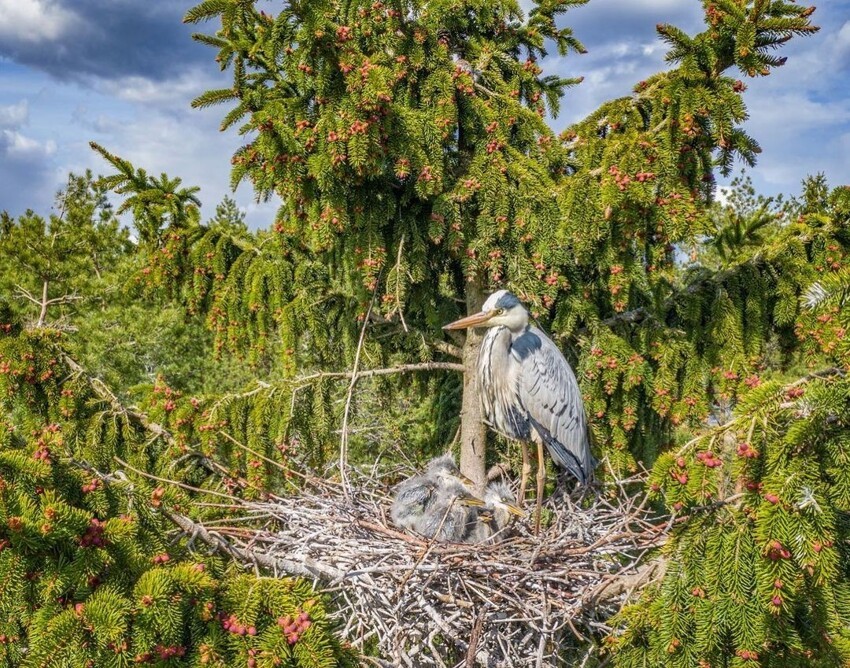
(180, 90)
(771, 110)
(14, 116)
(839, 44)
(18, 145)
(784, 164)
(34, 20)
(843, 35)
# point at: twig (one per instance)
(398, 285)
(176, 483)
(343, 439)
(369, 373)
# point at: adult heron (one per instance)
(528, 390)
(416, 496)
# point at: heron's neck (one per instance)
(517, 332)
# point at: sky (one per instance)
(123, 73)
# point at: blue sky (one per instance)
(122, 73)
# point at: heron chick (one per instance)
(417, 495)
(488, 523)
(447, 517)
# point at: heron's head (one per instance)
(446, 471)
(502, 309)
(498, 496)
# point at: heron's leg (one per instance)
(526, 470)
(541, 481)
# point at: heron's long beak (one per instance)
(472, 501)
(468, 482)
(513, 510)
(470, 321)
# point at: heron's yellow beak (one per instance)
(468, 482)
(514, 510)
(472, 501)
(470, 321)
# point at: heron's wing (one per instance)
(549, 392)
(444, 520)
(411, 498)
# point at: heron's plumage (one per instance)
(412, 498)
(491, 529)
(446, 518)
(528, 386)
(435, 504)
(549, 391)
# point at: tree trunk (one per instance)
(473, 433)
(43, 315)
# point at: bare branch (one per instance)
(23, 292)
(389, 371)
(64, 299)
(343, 439)
(308, 568)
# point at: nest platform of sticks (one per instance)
(513, 603)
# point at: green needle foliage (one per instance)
(92, 571)
(758, 574)
(92, 574)
(54, 268)
(409, 144)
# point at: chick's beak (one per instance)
(514, 510)
(470, 321)
(471, 501)
(468, 482)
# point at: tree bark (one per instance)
(473, 432)
(43, 315)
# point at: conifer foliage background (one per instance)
(409, 143)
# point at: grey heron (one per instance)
(448, 516)
(496, 515)
(528, 390)
(415, 496)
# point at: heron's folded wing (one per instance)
(411, 498)
(549, 392)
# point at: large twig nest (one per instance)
(423, 603)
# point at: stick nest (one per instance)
(421, 603)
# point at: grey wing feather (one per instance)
(411, 499)
(549, 391)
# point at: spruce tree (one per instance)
(52, 265)
(409, 144)
(92, 571)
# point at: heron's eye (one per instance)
(499, 311)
